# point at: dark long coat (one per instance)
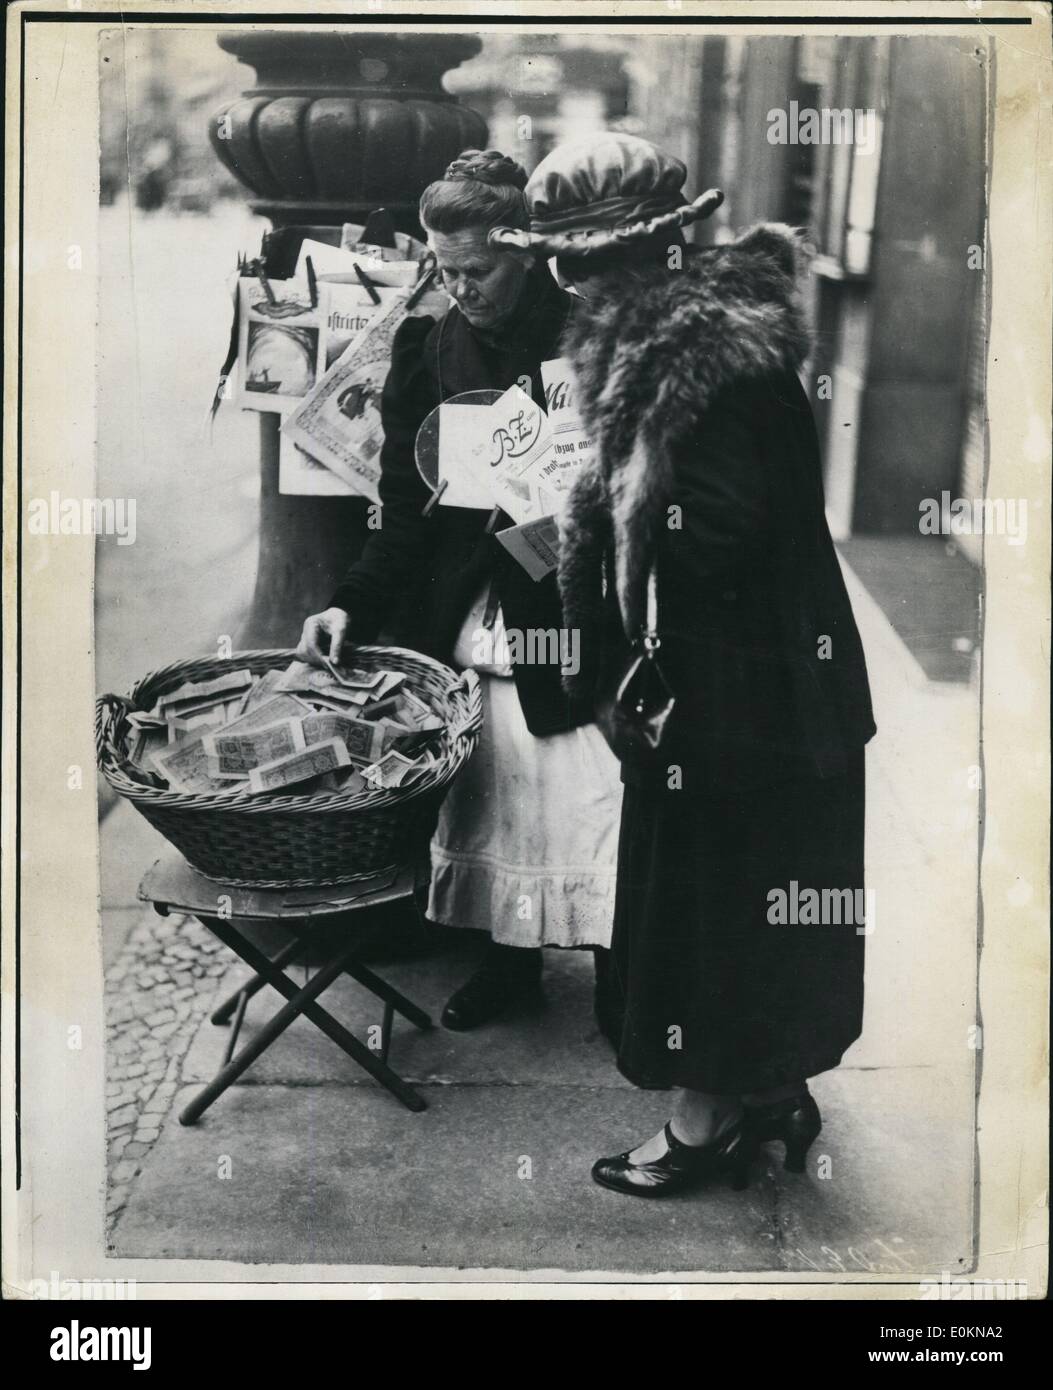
(709, 467)
(418, 576)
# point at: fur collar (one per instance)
(648, 364)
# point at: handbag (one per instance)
(632, 718)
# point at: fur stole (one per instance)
(648, 363)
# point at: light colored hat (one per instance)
(603, 191)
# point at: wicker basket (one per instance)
(297, 841)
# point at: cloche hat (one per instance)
(603, 191)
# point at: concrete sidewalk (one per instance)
(326, 1168)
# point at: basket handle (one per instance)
(109, 709)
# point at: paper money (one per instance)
(392, 733)
(262, 690)
(391, 680)
(413, 707)
(381, 709)
(345, 696)
(185, 768)
(392, 770)
(355, 680)
(302, 677)
(234, 754)
(282, 706)
(534, 545)
(350, 702)
(213, 718)
(141, 720)
(319, 728)
(300, 767)
(144, 743)
(350, 782)
(199, 692)
(364, 741)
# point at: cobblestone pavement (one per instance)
(162, 985)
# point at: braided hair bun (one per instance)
(487, 166)
(481, 189)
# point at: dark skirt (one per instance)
(717, 993)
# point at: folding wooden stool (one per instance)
(172, 885)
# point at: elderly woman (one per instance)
(527, 838)
(700, 521)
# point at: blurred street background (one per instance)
(897, 384)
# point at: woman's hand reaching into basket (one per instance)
(322, 638)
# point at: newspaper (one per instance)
(279, 344)
(338, 423)
(465, 444)
(336, 264)
(300, 475)
(572, 443)
(521, 456)
(348, 309)
(535, 545)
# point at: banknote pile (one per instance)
(300, 730)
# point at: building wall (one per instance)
(893, 297)
(930, 215)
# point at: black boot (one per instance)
(507, 975)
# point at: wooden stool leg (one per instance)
(389, 994)
(300, 1001)
(239, 1019)
(287, 953)
(385, 1032)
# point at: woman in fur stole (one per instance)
(707, 471)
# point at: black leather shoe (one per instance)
(681, 1167)
(508, 975)
(795, 1120)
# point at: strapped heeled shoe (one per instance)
(795, 1120)
(681, 1167)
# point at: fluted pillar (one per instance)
(336, 125)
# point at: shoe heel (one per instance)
(798, 1141)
